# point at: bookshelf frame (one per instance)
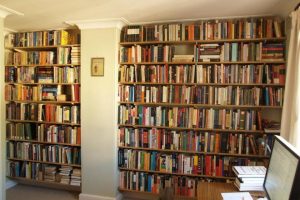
(68, 37)
(154, 83)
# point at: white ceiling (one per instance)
(51, 14)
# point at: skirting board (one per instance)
(96, 197)
(9, 184)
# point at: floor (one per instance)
(24, 192)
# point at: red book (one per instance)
(78, 136)
(145, 139)
(208, 165)
(158, 132)
(281, 74)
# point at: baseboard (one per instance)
(9, 184)
(95, 197)
(119, 196)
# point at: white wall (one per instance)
(99, 114)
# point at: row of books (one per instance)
(205, 53)
(195, 141)
(189, 117)
(205, 30)
(42, 93)
(64, 74)
(43, 133)
(75, 55)
(37, 38)
(43, 172)
(212, 95)
(43, 112)
(154, 183)
(241, 74)
(43, 153)
(179, 163)
(30, 58)
(63, 56)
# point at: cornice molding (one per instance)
(99, 23)
(4, 11)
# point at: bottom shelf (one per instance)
(155, 195)
(45, 184)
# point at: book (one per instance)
(249, 171)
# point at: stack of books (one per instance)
(273, 52)
(183, 58)
(64, 173)
(209, 52)
(76, 177)
(50, 173)
(75, 55)
(249, 178)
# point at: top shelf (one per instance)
(42, 47)
(279, 39)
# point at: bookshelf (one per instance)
(194, 99)
(42, 94)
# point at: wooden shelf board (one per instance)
(13, 83)
(42, 122)
(195, 152)
(154, 194)
(206, 84)
(204, 41)
(44, 65)
(193, 129)
(45, 102)
(45, 162)
(201, 105)
(47, 47)
(40, 142)
(177, 174)
(55, 185)
(204, 63)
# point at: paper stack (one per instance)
(249, 178)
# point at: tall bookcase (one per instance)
(195, 99)
(42, 93)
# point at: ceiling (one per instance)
(51, 14)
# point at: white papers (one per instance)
(236, 196)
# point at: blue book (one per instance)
(234, 52)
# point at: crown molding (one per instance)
(4, 11)
(99, 23)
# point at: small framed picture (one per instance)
(97, 66)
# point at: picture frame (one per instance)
(97, 66)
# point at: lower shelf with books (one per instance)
(66, 177)
(155, 195)
(45, 184)
(155, 184)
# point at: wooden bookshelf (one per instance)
(48, 184)
(194, 129)
(204, 84)
(155, 194)
(42, 122)
(42, 142)
(45, 162)
(43, 65)
(177, 174)
(203, 63)
(42, 94)
(172, 78)
(194, 152)
(201, 105)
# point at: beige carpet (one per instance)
(24, 192)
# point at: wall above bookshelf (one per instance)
(193, 98)
(42, 91)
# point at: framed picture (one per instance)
(97, 66)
